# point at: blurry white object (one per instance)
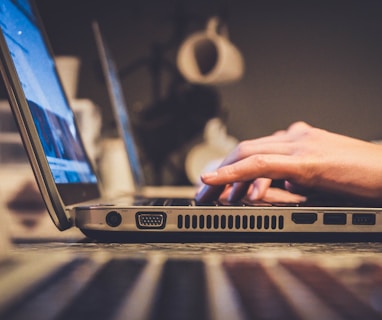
(114, 168)
(215, 133)
(208, 155)
(209, 57)
(68, 68)
(89, 120)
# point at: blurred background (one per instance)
(317, 61)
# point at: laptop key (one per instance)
(206, 204)
(180, 202)
(224, 202)
(157, 202)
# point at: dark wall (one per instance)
(318, 61)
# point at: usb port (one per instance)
(334, 218)
(363, 218)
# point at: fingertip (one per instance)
(208, 176)
(209, 193)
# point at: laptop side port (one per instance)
(334, 218)
(113, 219)
(150, 220)
(304, 217)
(363, 219)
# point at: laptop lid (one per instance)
(46, 122)
(118, 106)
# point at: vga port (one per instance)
(150, 220)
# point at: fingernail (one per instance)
(209, 175)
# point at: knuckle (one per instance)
(299, 125)
(303, 134)
(242, 149)
(260, 162)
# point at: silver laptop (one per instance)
(70, 187)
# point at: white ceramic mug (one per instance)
(209, 57)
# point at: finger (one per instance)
(296, 188)
(209, 193)
(260, 187)
(247, 149)
(225, 194)
(274, 195)
(239, 190)
(253, 167)
(281, 142)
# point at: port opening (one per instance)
(364, 219)
(304, 217)
(334, 218)
(113, 219)
(150, 220)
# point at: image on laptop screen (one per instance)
(51, 113)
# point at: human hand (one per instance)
(306, 158)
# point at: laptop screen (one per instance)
(52, 115)
(119, 106)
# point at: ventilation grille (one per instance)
(230, 222)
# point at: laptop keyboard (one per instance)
(199, 287)
(312, 202)
(192, 202)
